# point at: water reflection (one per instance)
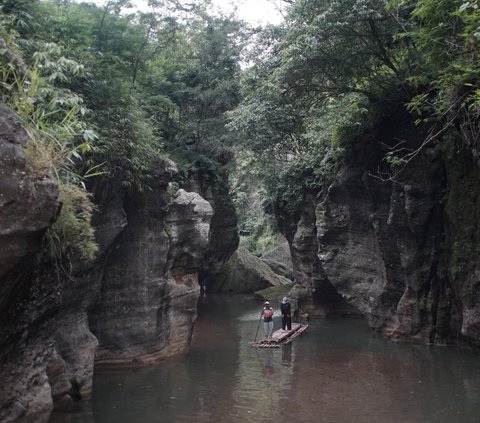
(335, 372)
(263, 376)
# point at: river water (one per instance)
(337, 371)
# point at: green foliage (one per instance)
(446, 39)
(296, 149)
(203, 89)
(342, 47)
(394, 160)
(318, 82)
(54, 117)
(258, 232)
(126, 147)
(104, 92)
(263, 236)
(153, 82)
(113, 49)
(308, 95)
(72, 233)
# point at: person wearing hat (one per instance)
(267, 314)
(286, 311)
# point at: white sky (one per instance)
(256, 12)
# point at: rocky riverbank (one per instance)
(136, 304)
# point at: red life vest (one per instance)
(267, 312)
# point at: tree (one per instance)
(446, 36)
(295, 117)
(335, 47)
(36, 89)
(204, 85)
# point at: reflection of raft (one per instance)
(281, 337)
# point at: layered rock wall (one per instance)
(149, 291)
(28, 206)
(70, 370)
(402, 251)
(380, 243)
(462, 240)
(135, 304)
(224, 238)
(313, 290)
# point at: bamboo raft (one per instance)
(280, 337)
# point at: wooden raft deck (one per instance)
(280, 337)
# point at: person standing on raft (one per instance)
(267, 314)
(285, 309)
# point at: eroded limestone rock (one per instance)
(280, 260)
(313, 291)
(380, 242)
(149, 291)
(223, 236)
(70, 369)
(245, 273)
(28, 205)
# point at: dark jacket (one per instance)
(285, 308)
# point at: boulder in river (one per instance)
(280, 260)
(245, 273)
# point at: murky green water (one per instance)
(335, 372)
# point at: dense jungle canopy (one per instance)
(106, 94)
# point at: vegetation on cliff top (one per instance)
(334, 68)
(107, 94)
(114, 92)
(53, 116)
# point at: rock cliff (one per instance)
(135, 304)
(70, 370)
(149, 291)
(402, 252)
(28, 206)
(313, 290)
(462, 241)
(380, 242)
(224, 237)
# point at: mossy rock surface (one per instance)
(280, 260)
(245, 273)
(463, 211)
